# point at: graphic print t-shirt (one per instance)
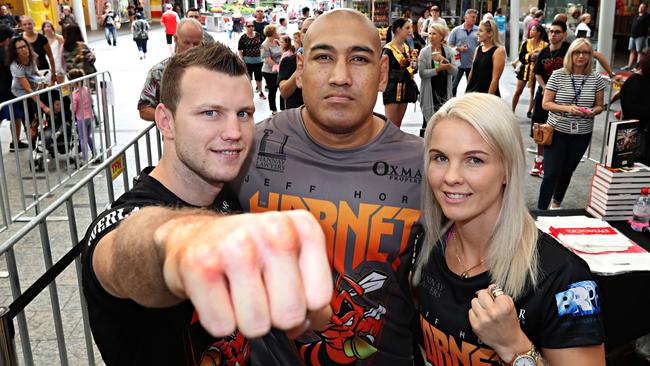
(127, 333)
(563, 311)
(366, 199)
(549, 61)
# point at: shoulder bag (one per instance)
(543, 133)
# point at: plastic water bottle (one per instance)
(641, 211)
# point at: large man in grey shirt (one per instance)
(464, 40)
(359, 175)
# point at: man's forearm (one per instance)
(147, 113)
(136, 265)
(288, 87)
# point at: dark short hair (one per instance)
(214, 57)
(305, 10)
(398, 23)
(192, 9)
(560, 24)
(539, 14)
(5, 32)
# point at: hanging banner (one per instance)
(41, 10)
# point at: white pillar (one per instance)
(606, 11)
(92, 14)
(147, 9)
(79, 16)
(515, 6)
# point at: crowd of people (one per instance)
(330, 264)
(34, 60)
(345, 254)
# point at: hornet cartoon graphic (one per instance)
(351, 333)
(233, 350)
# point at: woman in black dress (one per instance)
(400, 89)
(528, 53)
(41, 47)
(489, 61)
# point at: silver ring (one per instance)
(497, 291)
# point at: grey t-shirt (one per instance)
(367, 200)
(272, 50)
(24, 71)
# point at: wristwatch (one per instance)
(528, 358)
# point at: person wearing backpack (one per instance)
(140, 31)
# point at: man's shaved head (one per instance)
(351, 20)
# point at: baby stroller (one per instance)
(59, 134)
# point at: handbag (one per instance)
(543, 133)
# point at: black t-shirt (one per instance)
(127, 333)
(635, 99)
(259, 28)
(287, 68)
(549, 61)
(640, 25)
(561, 312)
(39, 48)
(5, 77)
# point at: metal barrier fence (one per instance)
(62, 283)
(54, 135)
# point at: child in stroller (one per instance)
(57, 134)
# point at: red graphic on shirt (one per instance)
(352, 331)
(233, 350)
(229, 351)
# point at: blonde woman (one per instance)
(528, 299)
(40, 45)
(437, 67)
(574, 95)
(489, 60)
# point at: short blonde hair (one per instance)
(568, 58)
(270, 30)
(440, 29)
(585, 16)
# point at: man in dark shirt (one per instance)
(638, 36)
(158, 295)
(289, 72)
(6, 18)
(550, 59)
(259, 23)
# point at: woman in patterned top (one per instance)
(249, 46)
(76, 54)
(573, 96)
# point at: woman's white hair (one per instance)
(512, 245)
